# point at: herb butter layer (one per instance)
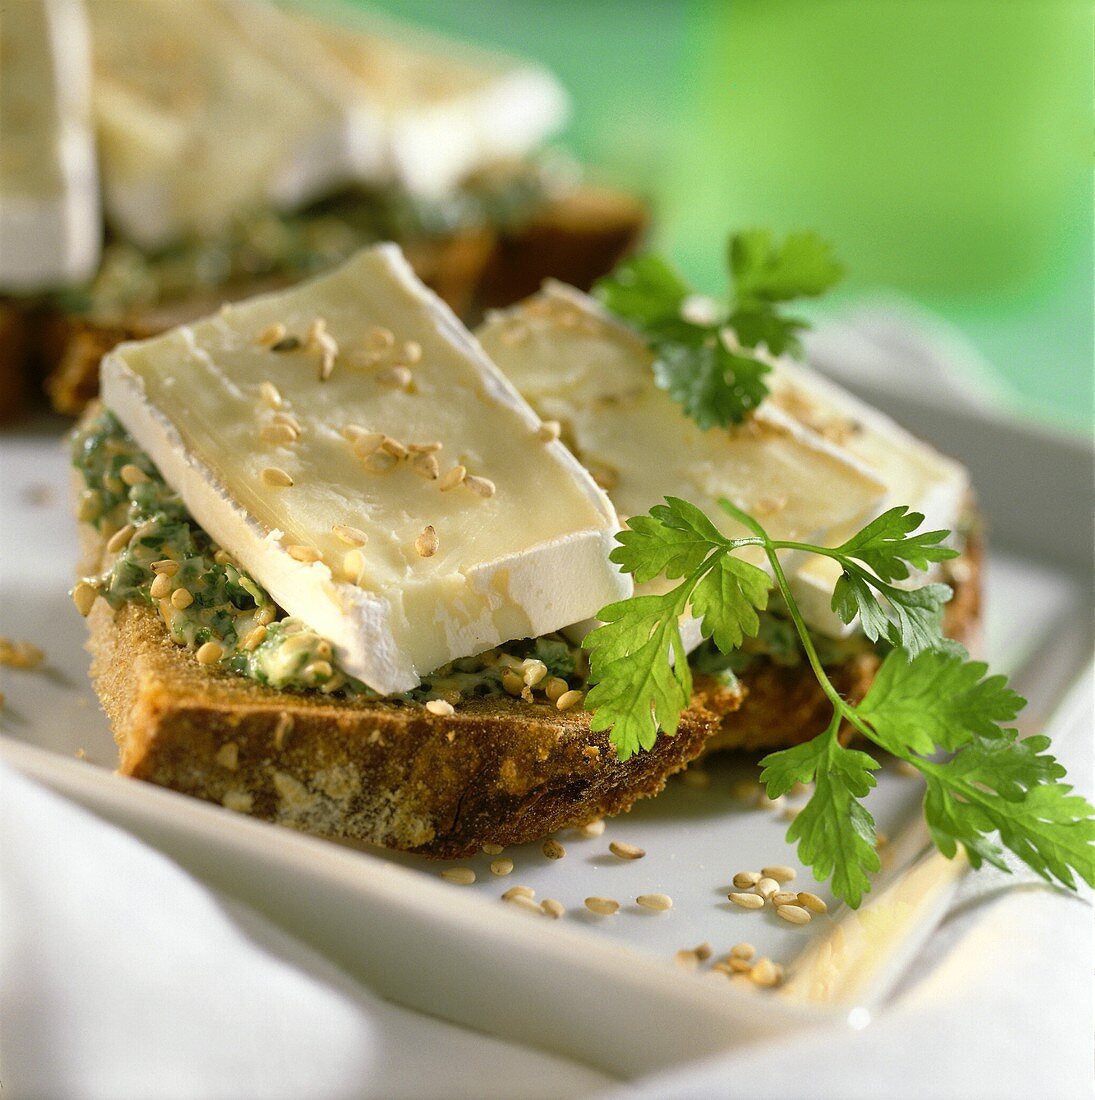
(364, 461)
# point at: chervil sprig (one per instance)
(929, 704)
(706, 352)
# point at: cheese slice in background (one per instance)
(915, 475)
(198, 122)
(521, 545)
(577, 365)
(50, 230)
(445, 108)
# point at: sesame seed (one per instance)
(303, 553)
(451, 478)
(519, 892)
(501, 866)
(181, 599)
(397, 377)
(393, 447)
(779, 872)
(702, 952)
(534, 672)
(255, 638)
(626, 851)
(764, 972)
(462, 876)
(23, 655)
(132, 475)
(553, 849)
(766, 887)
(784, 897)
(328, 353)
(492, 849)
(289, 420)
(411, 352)
(316, 329)
(796, 914)
(270, 335)
(742, 951)
(425, 448)
(440, 708)
(427, 543)
(270, 394)
(276, 478)
(165, 565)
(480, 486)
(265, 616)
(738, 966)
(548, 431)
(210, 653)
(552, 908)
(604, 907)
(591, 829)
(812, 902)
(353, 565)
(161, 587)
(527, 905)
(379, 338)
(569, 699)
(745, 879)
(120, 539)
(352, 536)
(425, 465)
(84, 596)
(747, 901)
(658, 902)
(556, 688)
(286, 343)
(277, 434)
(512, 683)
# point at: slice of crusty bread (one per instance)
(499, 771)
(576, 238)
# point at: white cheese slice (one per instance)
(915, 475)
(437, 109)
(526, 560)
(197, 120)
(577, 365)
(49, 198)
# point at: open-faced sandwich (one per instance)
(342, 556)
(239, 145)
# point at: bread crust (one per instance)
(498, 771)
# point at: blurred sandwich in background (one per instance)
(165, 156)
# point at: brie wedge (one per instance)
(197, 121)
(407, 507)
(430, 110)
(915, 475)
(49, 196)
(577, 365)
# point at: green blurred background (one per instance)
(945, 146)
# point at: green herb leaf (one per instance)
(835, 832)
(802, 267)
(708, 365)
(673, 539)
(727, 599)
(1009, 786)
(714, 386)
(936, 700)
(888, 547)
(639, 671)
(908, 617)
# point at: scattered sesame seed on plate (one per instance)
(812, 902)
(604, 907)
(796, 914)
(501, 866)
(451, 478)
(462, 876)
(553, 849)
(626, 851)
(552, 908)
(519, 892)
(658, 902)
(779, 872)
(743, 880)
(84, 596)
(747, 901)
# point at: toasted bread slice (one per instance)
(498, 771)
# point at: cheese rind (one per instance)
(49, 199)
(524, 561)
(576, 364)
(915, 475)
